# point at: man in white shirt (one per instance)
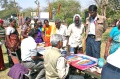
(29, 54)
(62, 30)
(111, 69)
(75, 31)
(55, 64)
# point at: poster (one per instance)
(82, 61)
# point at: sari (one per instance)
(39, 38)
(115, 43)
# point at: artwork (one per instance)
(82, 61)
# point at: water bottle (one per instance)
(71, 50)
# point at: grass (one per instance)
(3, 74)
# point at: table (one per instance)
(94, 74)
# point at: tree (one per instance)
(65, 9)
(102, 5)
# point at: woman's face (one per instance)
(13, 23)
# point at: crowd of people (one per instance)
(53, 65)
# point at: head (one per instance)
(77, 20)
(35, 19)
(118, 23)
(33, 33)
(1, 23)
(46, 22)
(12, 22)
(28, 20)
(92, 10)
(56, 41)
(39, 23)
(58, 23)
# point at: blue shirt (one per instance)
(114, 31)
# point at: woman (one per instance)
(114, 41)
(12, 42)
(39, 38)
(26, 28)
(1, 55)
(47, 29)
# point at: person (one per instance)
(39, 38)
(35, 21)
(95, 27)
(62, 30)
(111, 70)
(113, 42)
(75, 31)
(2, 66)
(29, 56)
(25, 28)
(12, 41)
(55, 64)
(47, 32)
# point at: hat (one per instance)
(1, 21)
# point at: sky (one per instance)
(44, 3)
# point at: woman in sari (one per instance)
(47, 29)
(25, 28)
(39, 38)
(114, 41)
(1, 55)
(12, 42)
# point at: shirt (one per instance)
(75, 34)
(113, 59)
(62, 31)
(10, 30)
(28, 49)
(62, 67)
(92, 25)
(114, 31)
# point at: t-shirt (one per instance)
(114, 31)
(10, 30)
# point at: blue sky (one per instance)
(44, 3)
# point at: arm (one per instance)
(107, 47)
(23, 34)
(62, 68)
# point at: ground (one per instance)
(3, 74)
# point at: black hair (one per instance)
(33, 32)
(11, 20)
(57, 20)
(27, 18)
(92, 8)
(46, 20)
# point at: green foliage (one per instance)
(69, 21)
(67, 10)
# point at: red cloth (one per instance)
(1, 21)
(1, 60)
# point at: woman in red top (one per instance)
(1, 55)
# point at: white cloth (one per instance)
(62, 68)
(28, 49)
(113, 59)
(92, 26)
(62, 31)
(10, 30)
(75, 34)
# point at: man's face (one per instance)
(60, 44)
(77, 21)
(93, 13)
(57, 23)
(13, 23)
(39, 23)
(46, 23)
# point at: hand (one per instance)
(106, 55)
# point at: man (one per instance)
(75, 31)
(62, 30)
(55, 64)
(35, 21)
(96, 26)
(29, 54)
